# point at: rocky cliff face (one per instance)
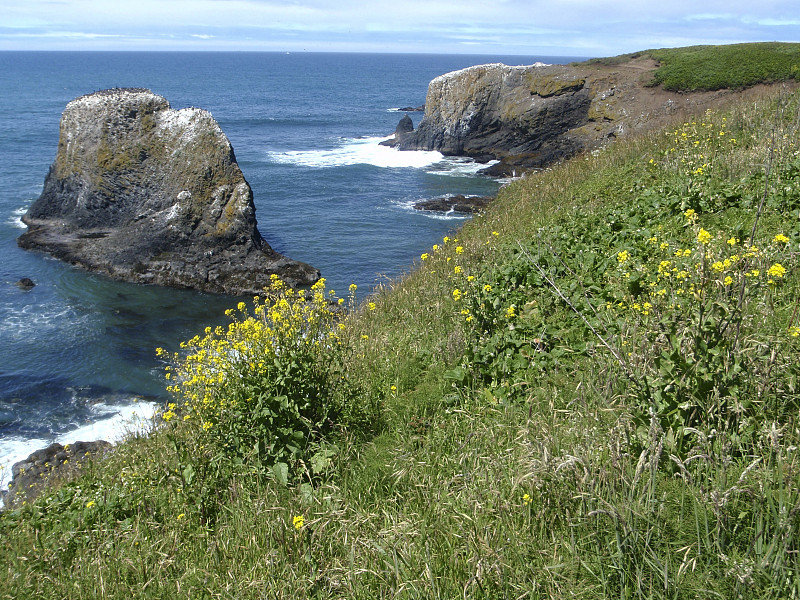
(533, 116)
(495, 111)
(144, 193)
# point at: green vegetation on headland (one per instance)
(590, 391)
(706, 68)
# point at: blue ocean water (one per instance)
(77, 351)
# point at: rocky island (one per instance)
(148, 194)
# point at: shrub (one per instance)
(265, 390)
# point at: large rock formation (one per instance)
(533, 116)
(496, 112)
(144, 193)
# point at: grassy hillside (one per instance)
(591, 391)
(705, 68)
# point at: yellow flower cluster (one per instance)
(695, 144)
(686, 275)
(209, 373)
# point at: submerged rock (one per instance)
(144, 193)
(26, 283)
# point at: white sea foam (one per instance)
(360, 151)
(38, 320)
(455, 166)
(16, 218)
(111, 422)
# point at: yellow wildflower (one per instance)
(298, 522)
(780, 239)
(704, 237)
(776, 270)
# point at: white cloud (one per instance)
(577, 27)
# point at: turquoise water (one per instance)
(77, 351)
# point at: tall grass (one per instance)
(518, 453)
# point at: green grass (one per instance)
(735, 67)
(707, 68)
(568, 448)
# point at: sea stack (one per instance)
(144, 193)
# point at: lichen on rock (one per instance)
(144, 193)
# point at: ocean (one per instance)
(77, 351)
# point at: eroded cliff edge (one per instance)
(145, 193)
(533, 116)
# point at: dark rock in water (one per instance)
(503, 169)
(144, 193)
(30, 477)
(25, 284)
(457, 203)
(412, 109)
(406, 125)
(403, 129)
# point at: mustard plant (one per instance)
(264, 390)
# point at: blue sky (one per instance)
(524, 27)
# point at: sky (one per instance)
(581, 28)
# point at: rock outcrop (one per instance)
(26, 284)
(459, 203)
(533, 116)
(499, 112)
(144, 193)
(30, 477)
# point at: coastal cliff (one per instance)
(522, 114)
(533, 116)
(144, 193)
